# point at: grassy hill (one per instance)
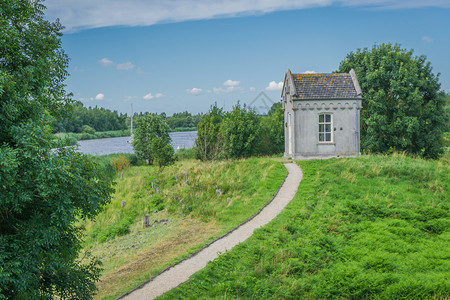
(189, 203)
(369, 227)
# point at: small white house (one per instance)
(321, 114)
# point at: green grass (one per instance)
(360, 228)
(189, 212)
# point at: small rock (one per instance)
(219, 192)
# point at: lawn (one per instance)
(358, 228)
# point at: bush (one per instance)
(87, 129)
(272, 131)
(240, 130)
(185, 154)
(149, 128)
(162, 152)
(134, 160)
(120, 163)
(209, 143)
(239, 133)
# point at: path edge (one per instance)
(212, 242)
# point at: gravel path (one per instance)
(181, 272)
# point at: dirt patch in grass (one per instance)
(152, 260)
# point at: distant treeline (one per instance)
(81, 119)
(183, 121)
(95, 119)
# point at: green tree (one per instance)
(44, 189)
(208, 144)
(240, 130)
(272, 131)
(148, 128)
(163, 152)
(403, 109)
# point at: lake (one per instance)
(184, 140)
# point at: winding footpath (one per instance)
(182, 271)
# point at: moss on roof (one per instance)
(324, 86)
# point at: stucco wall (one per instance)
(305, 125)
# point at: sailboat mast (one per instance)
(131, 120)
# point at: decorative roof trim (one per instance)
(355, 82)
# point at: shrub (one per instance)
(87, 129)
(120, 163)
(147, 129)
(185, 154)
(240, 130)
(208, 142)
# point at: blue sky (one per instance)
(176, 55)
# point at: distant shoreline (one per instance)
(73, 137)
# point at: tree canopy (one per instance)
(240, 132)
(403, 108)
(150, 128)
(98, 118)
(44, 189)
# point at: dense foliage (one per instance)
(272, 131)
(240, 132)
(163, 152)
(209, 141)
(43, 189)
(97, 119)
(79, 119)
(150, 135)
(374, 227)
(403, 109)
(183, 121)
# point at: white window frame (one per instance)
(325, 131)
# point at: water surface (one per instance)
(184, 140)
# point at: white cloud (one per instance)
(273, 86)
(149, 96)
(194, 91)
(105, 62)
(231, 86)
(230, 82)
(125, 66)
(99, 96)
(309, 72)
(252, 89)
(427, 39)
(83, 14)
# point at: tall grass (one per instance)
(189, 204)
(362, 228)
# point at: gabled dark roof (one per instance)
(325, 86)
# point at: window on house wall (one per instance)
(325, 128)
